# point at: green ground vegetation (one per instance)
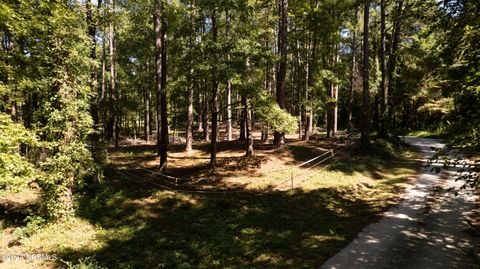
(124, 224)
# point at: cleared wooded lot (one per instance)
(227, 134)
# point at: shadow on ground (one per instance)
(231, 161)
(241, 230)
(140, 226)
(380, 157)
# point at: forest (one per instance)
(223, 133)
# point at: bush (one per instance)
(278, 119)
(15, 169)
(34, 223)
(85, 263)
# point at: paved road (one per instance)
(424, 231)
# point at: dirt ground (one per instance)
(268, 168)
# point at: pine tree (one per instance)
(282, 65)
(366, 93)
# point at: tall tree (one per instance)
(98, 148)
(353, 69)
(189, 136)
(335, 87)
(229, 84)
(103, 87)
(332, 114)
(163, 95)
(383, 68)
(249, 127)
(158, 68)
(113, 78)
(366, 91)
(392, 60)
(160, 25)
(279, 139)
(214, 106)
(147, 112)
(48, 48)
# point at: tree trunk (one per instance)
(98, 149)
(249, 127)
(383, 68)
(200, 113)
(335, 110)
(308, 117)
(264, 135)
(352, 74)
(93, 55)
(189, 136)
(335, 94)
(160, 25)
(113, 90)
(330, 110)
(268, 89)
(205, 118)
(229, 111)
(163, 99)
(104, 81)
(146, 116)
(213, 143)
(376, 114)
(392, 61)
(158, 69)
(300, 121)
(308, 82)
(229, 85)
(303, 113)
(297, 89)
(243, 120)
(366, 91)
(279, 140)
(336, 87)
(248, 111)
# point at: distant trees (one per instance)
(458, 37)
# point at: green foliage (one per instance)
(277, 118)
(48, 65)
(465, 119)
(175, 259)
(34, 224)
(241, 230)
(458, 25)
(68, 121)
(84, 263)
(16, 171)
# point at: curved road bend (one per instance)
(424, 231)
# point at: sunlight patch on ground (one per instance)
(71, 236)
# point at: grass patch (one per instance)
(132, 225)
(437, 134)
